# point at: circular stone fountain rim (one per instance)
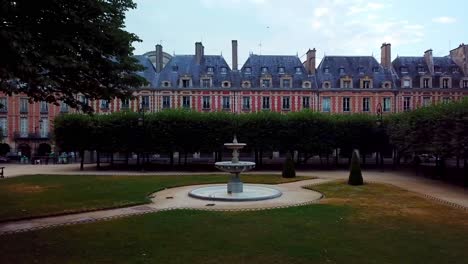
(276, 193)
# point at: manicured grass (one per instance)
(349, 228)
(39, 195)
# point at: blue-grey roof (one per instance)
(273, 63)
(356, 67)
(444, 66)
(149, 73)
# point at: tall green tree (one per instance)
(53, 50)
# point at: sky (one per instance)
(279, 27)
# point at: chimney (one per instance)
(199, 52)
(429, 60)
(159, 58)
(460, 57)
(234, 55)
(386, 55)
(310, 63)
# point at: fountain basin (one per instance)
(251, 192)
(231, 167)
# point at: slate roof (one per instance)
(445, 65)
(273, 63)
(149, 73)
(356, 67)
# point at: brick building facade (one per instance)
(339, 84)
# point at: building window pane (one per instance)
(366, 84)
(286, 104)
(125, 103)
(246, 102)
(387, 104)
(465, 83)
(266, 102)
(226, 102)
(145, 102)
(3, 127)
(166, 104)
(186, 101)
(346, 107)
(407, 103)
(266, 83)
(406, 83)
(426, 101)
(44, 127)
(286, 83)
(105, 104)
(63, 107)
(3, 104)
(24, 104)
(206, 83)
(306, 102)
(24, 130)
(326, 104)
(206, 102)
(44, 107)
(366, 104)
(445, 83)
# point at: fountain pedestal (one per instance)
(235, 184)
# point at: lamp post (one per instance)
(379, 135)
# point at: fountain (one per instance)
(235, 190)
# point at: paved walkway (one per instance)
(178, 198)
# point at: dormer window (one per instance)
(346, 84)
(223, 70)
(437, 69)
(286, 83)
(264, 70)
(421, 69)
(375, 69)
(210, 70)
(265, 83)
(361, 70)
(326, 85)
(166, 84)
(426, 82)
(455, 70)
(326, 70)
(281, 70)
(175, 68)
(248, 70)
(206, 83)
(298, 70)
(406, 83)
(465, 83)
(306, 85)
(366, 84)
(404, 69)
(342, 71)
(387, 85)
(246, 84)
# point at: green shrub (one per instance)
(288, 168)
(355, 175)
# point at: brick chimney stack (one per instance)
(159, 58)
(310, 63)
(386, 55)
(429, 60)
(199, 52)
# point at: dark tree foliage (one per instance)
(355, 174)
(53, 50)
(4, 149)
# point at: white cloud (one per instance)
(444, 20)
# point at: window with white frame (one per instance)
(445, 83)
(266, 102)
(426, 101)
(366, 104)
(326, 104)
(3, 104)
(166, 102)
(246, 102)
(226, 102)
(125, 103)
(206, 83)
(24, 127)
(346, 83)
(264, 70)
(206, 102)
(266, 83)
(305, 102)
(210, 70)
(298, 70)
(3, 126)
(24, 105)
(145, 101)
(465, 83)
(248, 70)
(286, 83)
(407, 103)
(44, 107)
(186, 101)
(387, 104)
(406, 83)
(280, 70)
(346, 104)
(44, 127)
(366, 84)
(104, 104)
(426, 83)
(223, 70)
(286, 103)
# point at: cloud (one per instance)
(444, 20)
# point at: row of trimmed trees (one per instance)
(440, 130)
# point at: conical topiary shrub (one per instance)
(355, 174)
(288, 168)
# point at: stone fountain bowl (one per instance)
(235, 145)
(229, 166)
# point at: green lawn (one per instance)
(39, 195)
(370, 224)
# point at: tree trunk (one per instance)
(363, 158)
(171, 158)
(138, 159)
(179, 157)
(337, 158)
(185, 158)
(126, 158)
(261, 157)
(82, 160)
(98, 159)
(112, 159)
